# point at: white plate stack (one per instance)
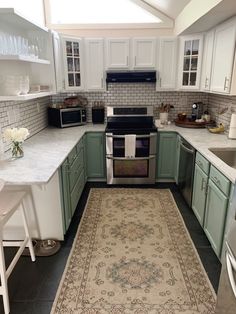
(232, 127)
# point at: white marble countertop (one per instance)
(202, 140)
(46, 151)
(43, 155)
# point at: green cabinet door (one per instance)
(215, 214)
(166, 155)
(95, 155)
(65, 194)
(199, 193)
(177, 157)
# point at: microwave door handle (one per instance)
(134, 159)
(191, 151)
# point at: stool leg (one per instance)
(4, 279)
(31, 249)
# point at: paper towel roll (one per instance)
(232, 133)
(233, 121)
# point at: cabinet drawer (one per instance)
(80, 146)
(76, 169)
(202, 162)
(77, 191)
(220, 180)
(72, 155)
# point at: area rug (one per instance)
(133, 254)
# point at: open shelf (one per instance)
(23, 58)
(26, 97)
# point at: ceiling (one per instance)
(171, 8)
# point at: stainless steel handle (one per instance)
(203, 186)
(137, 136)
(191, 151)
(231, 267)
(131, 158)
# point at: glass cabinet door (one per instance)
(190, 65)
(72, 58)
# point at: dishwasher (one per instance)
(186, 170)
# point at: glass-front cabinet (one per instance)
(190, 62)
(73, 56)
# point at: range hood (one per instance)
(131, 77)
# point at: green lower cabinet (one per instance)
(199, 194)
(215, 214)
(166, 155)
(95, 155)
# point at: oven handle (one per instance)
(137, 136)
(231, 267)
(131, 158)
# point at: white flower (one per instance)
(16, 135)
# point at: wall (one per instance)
(220, 103)
(28, 116)
(137, 94)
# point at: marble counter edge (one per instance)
(203, 149)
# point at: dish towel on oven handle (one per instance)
(130, 145)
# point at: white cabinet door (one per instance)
(223, 56)
(94, 64)
(207, 61)
(167, 63)
(144, 53)
(117, 53)
(190, 58)
(73, 63)
(58, 61)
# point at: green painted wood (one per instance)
(65, 188)
(202, 162)
(76, 168)
(177, 157)
(199, 194)
(95, 155)
(220, 180)
(166, 155)
(215, 214)
(77, 191)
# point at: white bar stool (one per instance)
(10, 202)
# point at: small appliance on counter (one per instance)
(197, 110)
(65, 117)
(98, 112)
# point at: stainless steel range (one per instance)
(131, 138)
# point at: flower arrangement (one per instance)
(165, 108)
(17, 136)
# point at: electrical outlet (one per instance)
(11, 116)
(38, 107)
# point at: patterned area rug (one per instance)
(133, 254)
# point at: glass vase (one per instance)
(17, 150)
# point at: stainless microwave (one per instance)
(63, 118)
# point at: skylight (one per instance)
(99, 12)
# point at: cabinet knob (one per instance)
(225, 83)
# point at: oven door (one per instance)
(138, 170)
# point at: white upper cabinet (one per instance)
(167, 62)
(73, 59)
(118, 53)
(58, 61)
(144, 53)
(223, 57)
(207, 61)
(94, 64)
(190, 58)
(26, 58)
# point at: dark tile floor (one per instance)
(32, 286)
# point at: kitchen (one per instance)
(173, 55)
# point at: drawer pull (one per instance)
(216, 180)
(200, 163)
